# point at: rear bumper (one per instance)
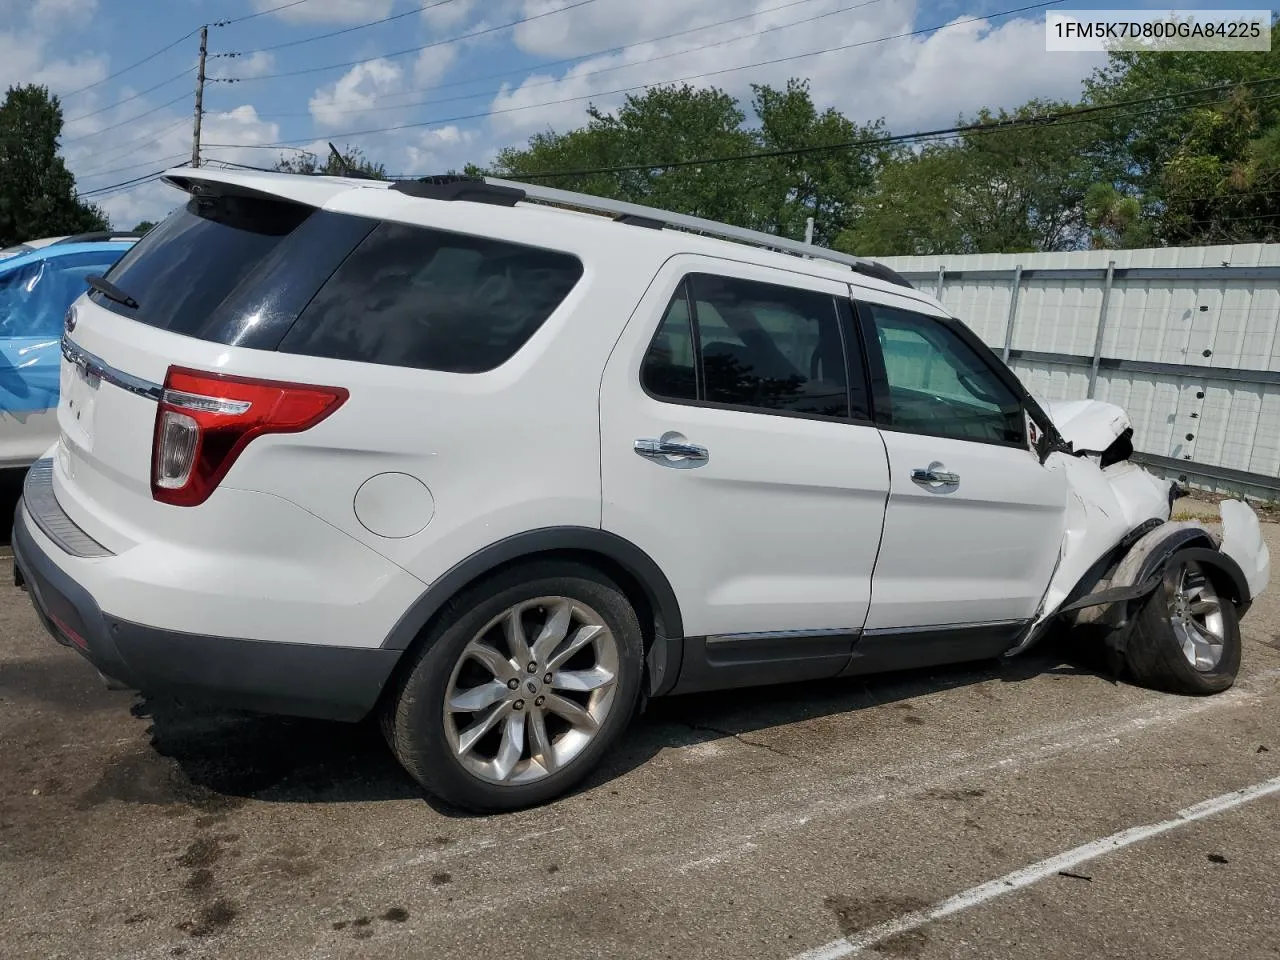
(312, 680)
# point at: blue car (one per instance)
(36, 288)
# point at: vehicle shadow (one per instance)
(275, 759)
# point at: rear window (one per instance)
(413, 297)
(185, 267)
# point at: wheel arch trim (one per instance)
(1148, 557)
(634, 561)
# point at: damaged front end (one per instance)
(1119, 535)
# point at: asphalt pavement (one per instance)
(1030, 809)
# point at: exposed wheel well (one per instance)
(649, 608)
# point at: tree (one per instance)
(828, 185)
(37, 191)
(143, 227)
(1204, 167)
(350, 161)
(671, 126)
(998, 191)
(664, 125)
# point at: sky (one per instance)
(446, 82)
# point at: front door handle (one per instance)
(665, 449)
(934, 473)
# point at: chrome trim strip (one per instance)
(942, 627)
(42, 507)
(98, 367)
(782, 635)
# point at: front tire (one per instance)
(1186, 637)
(519, 688)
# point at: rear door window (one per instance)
(409, 296)
(755, 346)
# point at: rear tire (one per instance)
(529, 738)
(1186, 637)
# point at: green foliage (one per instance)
(143, 227)
(1003, 191)
(669, 126)
(1206, 166)
(349, 161)
(37, 192)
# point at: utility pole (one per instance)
(195, 136)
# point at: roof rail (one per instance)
(639, 213)
(510, 192)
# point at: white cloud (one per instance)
(63, 14)
(438, 150)
(911, 81)
(439, 14)
(24, 52)
(328, 11)
(358, 90)
(430, 66)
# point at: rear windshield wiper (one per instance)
(111, 291)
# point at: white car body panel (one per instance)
(779, 529)
(1090, 426)
(1102, 507)
(1242, 542)
(980, 551)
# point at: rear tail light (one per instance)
(205, 420)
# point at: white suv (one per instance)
(500, 462)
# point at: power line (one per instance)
(621, 66)
(337, 33)
(239, 166)
(659, 83)
(143, 93)
(425, 46)
(146, 59)
(119, 150)
(132, 166)
(121, 123)
(260, 13)
(574, 59)
(115, 187)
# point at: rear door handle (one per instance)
(671, 450)
(934, 473)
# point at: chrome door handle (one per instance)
(934, 473)
(666, 449)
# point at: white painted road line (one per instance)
(975, 896)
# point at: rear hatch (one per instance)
(225, 274)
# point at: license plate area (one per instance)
(80, 399)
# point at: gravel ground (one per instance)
(761, 823)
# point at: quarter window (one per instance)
(759, 346)
(939, 385)
(413, 297)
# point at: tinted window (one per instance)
(940, 385)
(186, 266)
(421, 298)
(34, 298)
(758, 345)
(670, 367)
